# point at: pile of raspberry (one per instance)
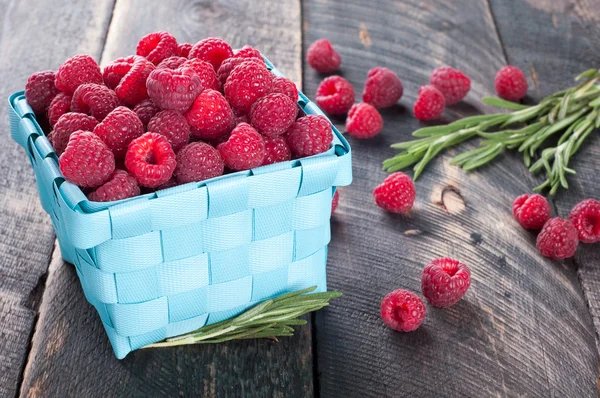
(171, 114)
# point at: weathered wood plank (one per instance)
(523, 329)
(28, 43)
(71, 355)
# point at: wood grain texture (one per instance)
(27, 44)
(523, 328)
(71, 355)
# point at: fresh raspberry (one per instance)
(146, 110)
(445, 281)
(119, 186)
(131, 89)
(273, 114)
(396, 193)
(230, 63)
(210, 116)
(60, 105)
(430, 103)
(511, 83)
(402, 310)
(276, 150)
(66, 125)
(150, 159)
(183, 49)
(86, 161)
(205, 72)
(322, 57)
(173, 126)
(118, 129)
(173, 62)
(531, 211)
(335, 95)
(557, 239)
(246, 83)
(157, 46)
(114, 71)
(335, 201)
(40, 90)
(285, 86)
(585, 216)
(94, 99)
(76, 71)
(452, 83)
(198, 161)
(174, 89)
(212, 50)
(364, 121)
(248, 52)
(310, 135)
(383, 88)
(244, 150)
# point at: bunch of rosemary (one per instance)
(574, 113)
(269, 319)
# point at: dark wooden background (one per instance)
(526, 326)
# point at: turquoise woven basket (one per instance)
(169, 262)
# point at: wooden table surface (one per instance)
(527, 327)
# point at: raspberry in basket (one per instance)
(276, 150)
(452, 83)
(212, 50)
(230, 63)
(114, 71)
(173, 126)
(183, 49)
(66, 125)
(246, 83)
(531, 211)
(396, 193)
(402, 310)
(364, 121)
(173, 62)
(210, 116)
(119, 186)
(131, 89)
(322, 57)
(205, 72)
(60, 105)
(94, 99)
(382, 88)
(86, 161)
(157, 46)
(445, 281)
(244, 150)
(430, 103)
(248, 52)
(40, 90)
(198, 161)
(285, 86)
(150, 159)
(173, 89)
(146, 111)
(310, 135)
(76, 71)
(335, 95)
(118, 129)
(586, 219)
(273, 114)
(558, 239)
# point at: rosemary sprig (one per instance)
(269, 319)
(574, 112)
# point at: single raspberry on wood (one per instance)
(531, 211)
(40, 90)
(76, 71)
(212, 50)
(285, 86)
(246, 83)
(396, 193)
(335, 201)
(174, 89)
(118, 129)
(131, 89)
(452, 83)
(585, 216)
(66, 125)
(310, 135)
(183, 49)
(445, 281)
(198, 161)
(173, 62)
(511, 83)
(383, 88)
(173, 126)
(402, 310)
(205, 72)
(230, 63)
(276, 150)
(146, 111)
(273, 114)
(157, 46)
(558, 239)
(335, 95)
(430, 103)
(94, 99)
(86, 161)
(248, 52)
(364, 121)
(244, 150)
(210, 116)
(150, 159)
(120, 185)
(60, 105)
(322, 57)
